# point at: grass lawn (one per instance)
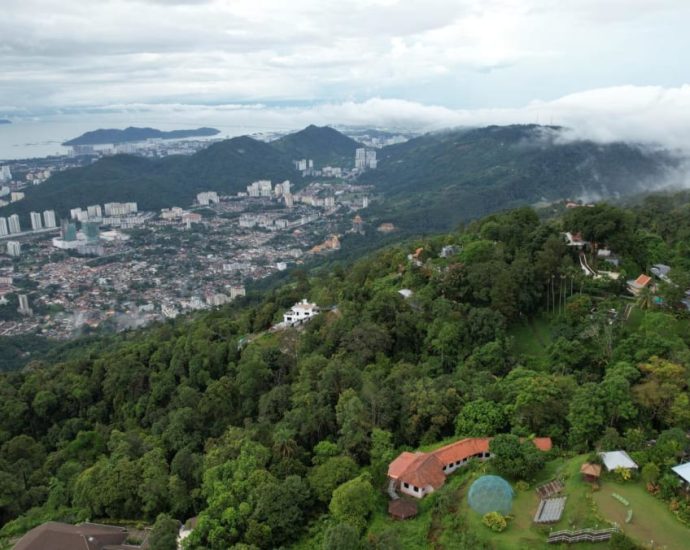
(445, 514)
(652, 520)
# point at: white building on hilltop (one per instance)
(5, 174)
(300, 312)
(207, 197)
(14, 249)
(36, 221)
(49, 219)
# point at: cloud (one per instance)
(649, 115)
(451, 52)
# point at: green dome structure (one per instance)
(491, 494)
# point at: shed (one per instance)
(402, 508)
(590, 472)
(617, 459)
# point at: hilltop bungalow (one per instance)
(300, 312)
(418, 474)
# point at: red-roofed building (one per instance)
(418, 474)
(636, 286)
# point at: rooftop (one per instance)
(617, 459)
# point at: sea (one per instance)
(42, 137)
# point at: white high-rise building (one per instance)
(36, 222)
(120, 208)
(5, 174)
(371, 161)
(4, 230)
(24, 308)
(94, 211)
(289, 200)
(74, 213)
(14, 249)
(207, 197)
(365, 202)
(360, 158)
(13, 222)
(49, 219)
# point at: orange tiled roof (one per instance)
(643, 280)
(591, 469)
(543, 443)
(462, 449)
(425, 470)
(400, 464)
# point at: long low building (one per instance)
(418, 474)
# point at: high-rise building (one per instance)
(49, 219)
(360, 158)
(207, 197)
(4, 230)
(365, 202)
(13, 222)
(94, 211)
(36, 222)
(24, 308)
(289, 200)
(5, 174)
(91, 232)
(16, 196)
(69, 232)
(14, 249)
(371, 162)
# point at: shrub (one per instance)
(522, 486)
(650, 473)
(495, 521)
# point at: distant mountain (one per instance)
(226, 167)
(5, 121)
(434, 182)
(102, 137)
(325, 145)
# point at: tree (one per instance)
(585, 416)
(480, 418)
(341, 536)
(353, 502)
(164, 533)
(515, 459)
(325, 478)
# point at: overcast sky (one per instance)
(427, 64)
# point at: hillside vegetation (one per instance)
(428, 184)
(285, 441)
(433, 182)
(324, 145)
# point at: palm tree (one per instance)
(645, 299)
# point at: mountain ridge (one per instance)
(132, 133)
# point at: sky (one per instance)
(608, 69)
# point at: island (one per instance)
(5, 121)
(113, 136)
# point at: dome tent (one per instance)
(491, 494)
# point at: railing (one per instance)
(582, 535)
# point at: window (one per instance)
(406, 485)
(415, 489)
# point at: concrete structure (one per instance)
(617, 459)
(120, 208)
(207, 197)
(36, 221)
(14, 225)
(300, 312)
(236, 291)
(14, 249)
(4, 229)
(16, 196)
(49, 219)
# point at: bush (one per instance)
(522, 486)
(650, 473)
(495, 521)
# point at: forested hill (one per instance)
(226, 167)
(324, 145)
(282, 439)
(113, 136)
(433, 182)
